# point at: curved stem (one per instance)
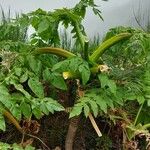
(56, 51)
(12, 120)
(107, 44)
(146, 126)
(17, 125)
(137, 116)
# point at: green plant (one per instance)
(9, 31)
(4, 146)
(104, 78)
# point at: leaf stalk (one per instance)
(56, 51)
(107, 44)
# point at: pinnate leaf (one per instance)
(106, 82)
(37, 112)
(94, 107)
(86, 110)
(36, 86)
(85, 73)
(43, 26)
(25, 109)
(75, 111)
(43, 108)
(103, 105)
(58, 81)
(16, 111)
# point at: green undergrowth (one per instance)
(47, 75)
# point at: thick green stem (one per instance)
(146, 126)
(79, 35)
(55, 51)
(107, 44)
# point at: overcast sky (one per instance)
(114, 12)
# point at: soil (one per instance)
(52, 130)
